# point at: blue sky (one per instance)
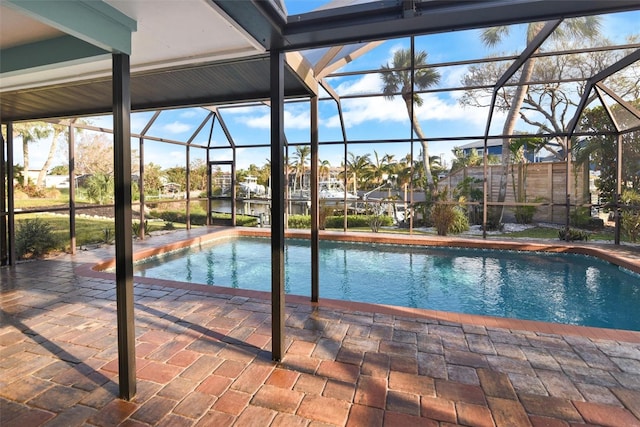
(367, 118)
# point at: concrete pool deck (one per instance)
(203, 358)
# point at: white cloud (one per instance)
(438, 107)
(292, 120)
(177, 127)
(166, 159)
(188, 114)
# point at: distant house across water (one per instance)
(494, 148)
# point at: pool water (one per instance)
(559, 288)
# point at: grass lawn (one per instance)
(88, 230)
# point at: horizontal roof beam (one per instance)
(93, 21)
(47, 54)
(389, 19)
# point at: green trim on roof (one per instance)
(93, 21)
(45, 54)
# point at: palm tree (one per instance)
(324, 170)
(301, 155)
(587, 27)
(29, 132)
(358, 167)
(397, 79)
(58, 130)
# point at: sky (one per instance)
(371, 118)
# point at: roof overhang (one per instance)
(182, 54)
(202, 84)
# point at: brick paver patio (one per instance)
(203, 358)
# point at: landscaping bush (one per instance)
(31, 190)
(581, 218)
(572, 234)
(442, 216)
(337, 221)
(631, 215)
(524, 214)
(460, 222)
(136, 229)
(493, 220)
(299, 221)
(34, 238)
(356, 221)
(375, 222)
(180, 217)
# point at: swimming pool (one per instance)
(561, 288)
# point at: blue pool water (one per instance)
(560, 288)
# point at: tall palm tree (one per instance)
(586, 27)
(324, 169)
(397, 79)
(58, 130)
(29, 132)
(300, 156)
(358, 167)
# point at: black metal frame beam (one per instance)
(123, 232)
(387, 19)
(315, 203)
(11, 210)
(610, 70)
(277, 205)
(3, 204)
(72, 188)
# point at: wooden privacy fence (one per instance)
(545, 184)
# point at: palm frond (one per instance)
(493, 35)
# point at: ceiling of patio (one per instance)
(182, 53)
(206, 52)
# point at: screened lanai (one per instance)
(307, 64)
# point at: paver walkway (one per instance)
(203, 359)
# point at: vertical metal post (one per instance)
(11, 211)
(277, 203)
(72, 188)
(567, 219)
(123, 234)
(315, 206)
(411, 115)
(618, 189)
(3, 204)
(187, 184)
(209, 182)
(141, 186)
(234, 194)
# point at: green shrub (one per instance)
(100, 188)
(337, 221)
(581, 218)
(375, 222)
(180, 217)
(460, 221)
(356, 221)
(493, 220)
(108, 236)
(299, 221)
(524, 214)
(169, 226)
(136, 229)
(34, 238)
(442, 216)
(572, 234)
(631, 215)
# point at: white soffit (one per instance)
(169, 33)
